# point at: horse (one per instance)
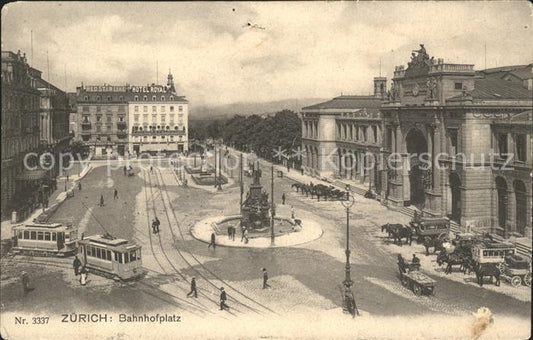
(436, 243)
(483, 270)
(451, 260)
(397, 232)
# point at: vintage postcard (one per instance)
(285, 170)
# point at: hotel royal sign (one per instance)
(127, 88)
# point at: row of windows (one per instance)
(154, 128)
(154, 98)
(136, 98)
(520, 145)
(154, 108)
(155, 137)
(99, 98)
(106, 255)
(119, 108)
(37, 235)
(358, 133)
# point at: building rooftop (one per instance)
(497, 88)
(370, 103)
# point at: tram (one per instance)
(45, 239)
(111, 257)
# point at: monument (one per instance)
(256, 207)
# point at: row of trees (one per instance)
(265, 136)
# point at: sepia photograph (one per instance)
(266, 170)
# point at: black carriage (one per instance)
(517, 270)
(432, 227)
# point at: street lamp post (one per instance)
(219, 187)
(273, 213)
(349, 305)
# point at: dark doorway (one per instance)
(120, 150)
(501, 187)
(455, 187)
(416, 147)
(521, 206)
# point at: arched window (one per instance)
(154, 98)
(168, 127)
(175, 127)
(86, 98)
(108, 98)
(98, 98)
(145, 98)
(171, 97)
(136, 98)
(162, 98)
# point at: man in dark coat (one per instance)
(115, 194)
(79, 186)
(101, 200)
(193, 288)
(212, 243)
(223, 299)
(157, 224)
(265, 279)
(76, 265)
(154, 226)
(283, 199)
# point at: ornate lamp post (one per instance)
(349, 301)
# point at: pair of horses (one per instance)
(455, 259)
(399, 231)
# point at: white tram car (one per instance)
(111, 257)
(45, 239)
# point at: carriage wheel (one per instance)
(501, 267)
(443, 236)
(527, 279)
(516, 281)
(417, 289)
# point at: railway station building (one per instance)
(451, 141)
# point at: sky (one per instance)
(289, 50)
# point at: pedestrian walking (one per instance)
(223, 299)
(245, 236)
(101, 200)
(233, 231)
(125, 170)
(265, 279)
(229, 232)
(193, 288)
(79, 186)
(157, 224)
(83, 276)
(243, 230)
(283, 199)
(154, 224)
(302, 171)
(212, 243)
(292, 212)
(76, 265)
(115, 194)
(151, 168)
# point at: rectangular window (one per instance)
(99, 118)
(375, 133)
(145, 118)
(458, 86)
(109, 118)
(163, 118)
(154, 108)
(145, 108)
(180, 108)
(54, 236)
(172, 109)
(502, 143)
(98, 253)
(40, 235)
(98, 128)
(108, 252)
(47, 236)
(163, 109)
(154, 118)
(108, 127)
(33, 235)
(136, 109)
(453, 141)
(133, 256)
(26, 235)
(136, 118)
(126, 258)
(520, 146)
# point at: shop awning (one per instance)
(32, 175)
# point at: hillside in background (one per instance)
(245, 109)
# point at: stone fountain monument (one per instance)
(256, 207)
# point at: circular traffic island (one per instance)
(287, 232)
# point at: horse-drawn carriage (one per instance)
(516, 269)
(489, 257)
(431, 231)
(458, 252)
(415, 280)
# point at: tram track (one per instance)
(259, 309)
(63, 264)
(148, 183)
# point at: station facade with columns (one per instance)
(452, 141)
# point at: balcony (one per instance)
(122, 134)
(122, 125)
(86, 125)
(455, 68)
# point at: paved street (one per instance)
(302, 277)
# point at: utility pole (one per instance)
(219, 187)
(215, 149)
(272, 203)
(31, 42)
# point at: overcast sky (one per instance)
(297, 50)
